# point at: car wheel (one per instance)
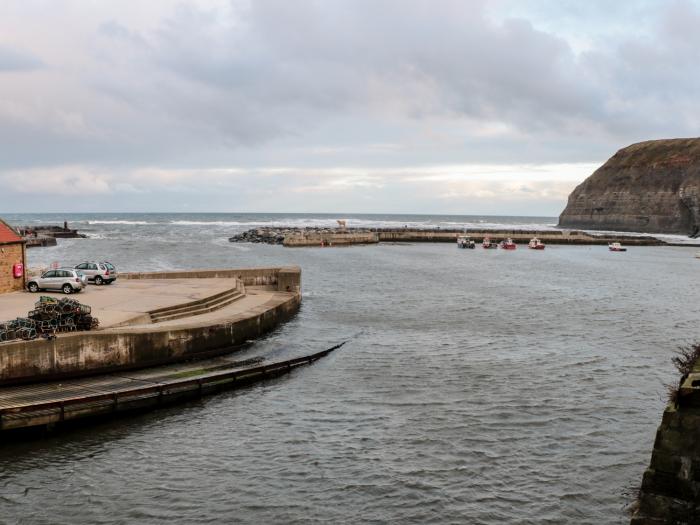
(99, 280)
(67, 289)
(33, 287)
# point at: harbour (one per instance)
(495, 209)
(561, 403)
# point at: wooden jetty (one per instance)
(49, 404)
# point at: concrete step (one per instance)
(212, 302)
(207, 301)
(191, 311)
(199, 311)
(198, 302)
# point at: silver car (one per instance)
(67, 281)
(98, 272)
(82, 276)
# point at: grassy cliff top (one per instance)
(658, 153)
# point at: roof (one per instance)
(8, 235)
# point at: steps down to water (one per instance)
(199, 307)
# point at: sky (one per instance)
(359, 106)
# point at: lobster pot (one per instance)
(49, 316)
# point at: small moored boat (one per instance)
(535, 244)
(508, 244)
(697, 255)
(463, 241)
(489, 244)
(616, 247)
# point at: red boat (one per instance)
(508, 244)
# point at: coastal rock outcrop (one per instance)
(652, 186)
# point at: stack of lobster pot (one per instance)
(49, 317)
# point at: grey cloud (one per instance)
(317, 83)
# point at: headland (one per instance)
(651, 186)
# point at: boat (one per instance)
(535, 244)
(463, 241)
(616, 247)
(508, 244)
(697, 255)
(488, 244)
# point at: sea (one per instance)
(476, 386)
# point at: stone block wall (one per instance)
(670, 491)
(9, 255)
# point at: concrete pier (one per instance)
(150, 319)
(324, 237)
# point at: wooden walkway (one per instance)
(57, 402)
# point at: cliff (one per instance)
(651, 186)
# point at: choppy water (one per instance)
(478, 386)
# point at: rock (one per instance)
(651, 186)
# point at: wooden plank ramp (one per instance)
(57, 402)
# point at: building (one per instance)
(12, 253)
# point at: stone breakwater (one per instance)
(46, 235)
(297, 237)
(271, 235)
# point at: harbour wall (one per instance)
(283, 278)
(123, 348)
(670, 490)
(338, 237)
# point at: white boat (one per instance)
(488, 244)
(535, 244)
(697, 255)
(463, 241)
(616, 247)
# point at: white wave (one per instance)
(136, 223)
(666, 237)
(211, 223)
(365, 223)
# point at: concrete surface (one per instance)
(125, 300)
(258, 307)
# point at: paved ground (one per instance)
(125, 299)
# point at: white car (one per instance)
(66, 281)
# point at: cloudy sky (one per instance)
(397, 106)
